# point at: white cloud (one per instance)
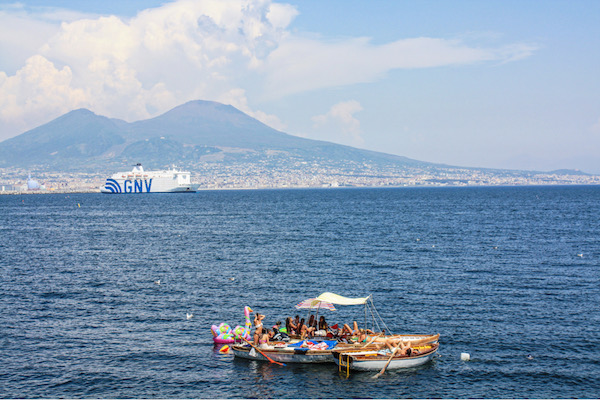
(37, 90)
(190, 49)
(339, 124)
(300, 64)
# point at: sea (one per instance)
(95, 290)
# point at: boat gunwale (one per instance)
(364, 355)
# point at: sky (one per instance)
(494, 84)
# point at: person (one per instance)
(312, 323)
(264, 342)
(404, 348)
(362, 336)
(292, 329)
(297, 324)
(305, 330)
(284, 329)
(278, 334)
(258, 325)
(301, 328)
(347, 331)
(323, 325)
(356, 334)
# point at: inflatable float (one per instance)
(223, 334)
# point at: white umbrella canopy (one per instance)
(315, 304)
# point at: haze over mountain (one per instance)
(191, 133)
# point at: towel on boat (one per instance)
(323, 345)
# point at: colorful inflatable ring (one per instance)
(223, 334)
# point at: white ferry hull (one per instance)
(140, 181)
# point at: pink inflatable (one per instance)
(223, 334)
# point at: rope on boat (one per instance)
(375, 323)
(378, 316)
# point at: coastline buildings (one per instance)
(305, 175)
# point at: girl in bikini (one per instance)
(264, 339)
(258, 326)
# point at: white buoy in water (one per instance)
(465, 356)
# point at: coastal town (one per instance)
(214, 176)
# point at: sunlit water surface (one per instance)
(500, 273)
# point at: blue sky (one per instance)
(499, 84)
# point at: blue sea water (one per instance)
(501, 273)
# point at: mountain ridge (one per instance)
(185, 135)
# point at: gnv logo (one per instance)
(129, 186)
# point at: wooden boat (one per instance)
(284, 353)
(295, 353)
(375, 360)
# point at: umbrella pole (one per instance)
(317, 317)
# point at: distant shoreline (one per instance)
(85, 191)
(62, 191)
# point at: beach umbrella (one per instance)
(315, 304)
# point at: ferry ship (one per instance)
(140, 181)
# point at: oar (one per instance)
(266, 356)
(387, 363)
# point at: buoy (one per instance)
(78, 205)
(224, 349)
(465, 356)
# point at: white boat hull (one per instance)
(373, 360)
(399, 363)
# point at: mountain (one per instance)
(192, 133)
(77, 134)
